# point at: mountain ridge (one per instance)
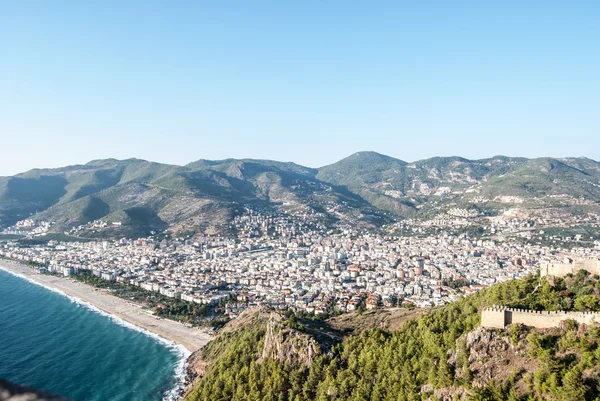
(202, 196)
(217, 161)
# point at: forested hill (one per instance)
(366, 188)
(440, 355)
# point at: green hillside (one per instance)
(205, 195)
(400, 187)
(200, 196)
(439, 355)
(546, 176)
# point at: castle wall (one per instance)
(493, 318)
(562, 269)
(499, 317)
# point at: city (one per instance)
(288, 262)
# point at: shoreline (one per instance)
(169, 331)
(181, 339)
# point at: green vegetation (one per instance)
(546, 176)
(146, 196)
(136, 192)
(170, 308)
(44, 239)
(411, 362)
(567, 363)
(10, 237)
(565, 237)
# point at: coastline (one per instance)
(169, 331)
(181, 339)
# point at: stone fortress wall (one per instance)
(499, 317)
(592, 265)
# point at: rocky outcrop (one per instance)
(258, 314)
(282, 342)
(196, 368)
(12, 392)
(485, 355)
(287, 345)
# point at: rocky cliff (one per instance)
(520, 361)
(282, 339)
(13, 392)
(288, 345)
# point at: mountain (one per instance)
(441, 354)
(379, 179)
(546, 176)
(143, 196)
(364, 189)
(404, 188)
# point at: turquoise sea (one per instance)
(50, 342)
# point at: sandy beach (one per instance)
(191, 338)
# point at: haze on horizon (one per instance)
(310, 83)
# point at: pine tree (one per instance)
(573, 386)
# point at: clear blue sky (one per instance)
(303, 81)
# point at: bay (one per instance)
(49, 342)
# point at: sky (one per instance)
(304, 81)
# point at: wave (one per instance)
(182, 353)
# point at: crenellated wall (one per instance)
(499, 317)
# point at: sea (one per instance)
(58, 344)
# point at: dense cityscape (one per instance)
(290, 262)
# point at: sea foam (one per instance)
(182, 353)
